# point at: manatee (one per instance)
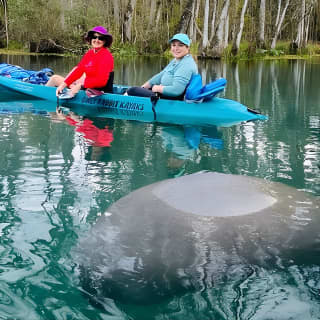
(189, 233)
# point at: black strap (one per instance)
(154, 99)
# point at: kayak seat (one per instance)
(197, 93)
(194, 87)
(108, 88)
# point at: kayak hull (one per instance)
(217, 111)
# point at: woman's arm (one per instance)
(181, 77)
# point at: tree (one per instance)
(185, 18)
(261, 26)
(213, 24)
(205, 34)
(238, 36)
(279, 22)
(219, 38)
(116, 14)
(4, 5)
(305, 11)
(128, 17)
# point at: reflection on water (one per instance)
(60, 173)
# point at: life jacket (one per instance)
(196, 92)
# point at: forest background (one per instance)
(218, 28)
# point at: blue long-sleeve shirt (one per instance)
(175, 76)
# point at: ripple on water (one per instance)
(13, 305)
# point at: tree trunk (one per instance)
(219, 39)
(4, 4)
(116, 14)
(192, 26)
(300, 33)
(213, 29)
(128, 20)
(185, 19)
(238, 36)
(194, 20)
(278, 12)
(262, 19)
(158, 17)
(153, 7)
(279, 24)
(306, 31)
(226, 32)
(205, 39)
(304, 24)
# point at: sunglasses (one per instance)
(101, 38)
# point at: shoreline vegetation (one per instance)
(281, 52)
(230, 30)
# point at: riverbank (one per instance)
(280, 52)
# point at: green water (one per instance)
(59, 174)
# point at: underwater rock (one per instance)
(189, 233)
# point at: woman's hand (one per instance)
(146, 85)
(158, 88)
(75, 88)
(60, 88)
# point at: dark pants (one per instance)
(142, 92)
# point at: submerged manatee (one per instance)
(187, 234)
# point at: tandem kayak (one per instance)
(217, 111)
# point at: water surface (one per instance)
(59, 173)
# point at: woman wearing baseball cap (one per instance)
(94, 71)
(172, 81)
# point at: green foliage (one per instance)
(15, 45)
(246, 51)
(310, 50)
(275, 52)
(283, 46)
(66, 21)
(124, 49)
(194, 48)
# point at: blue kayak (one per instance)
(217, 111)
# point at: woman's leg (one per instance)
(55, 81)
(76, 86)
(140, 92)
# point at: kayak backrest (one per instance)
(108, 88)
(194, 88)
(196, 92)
